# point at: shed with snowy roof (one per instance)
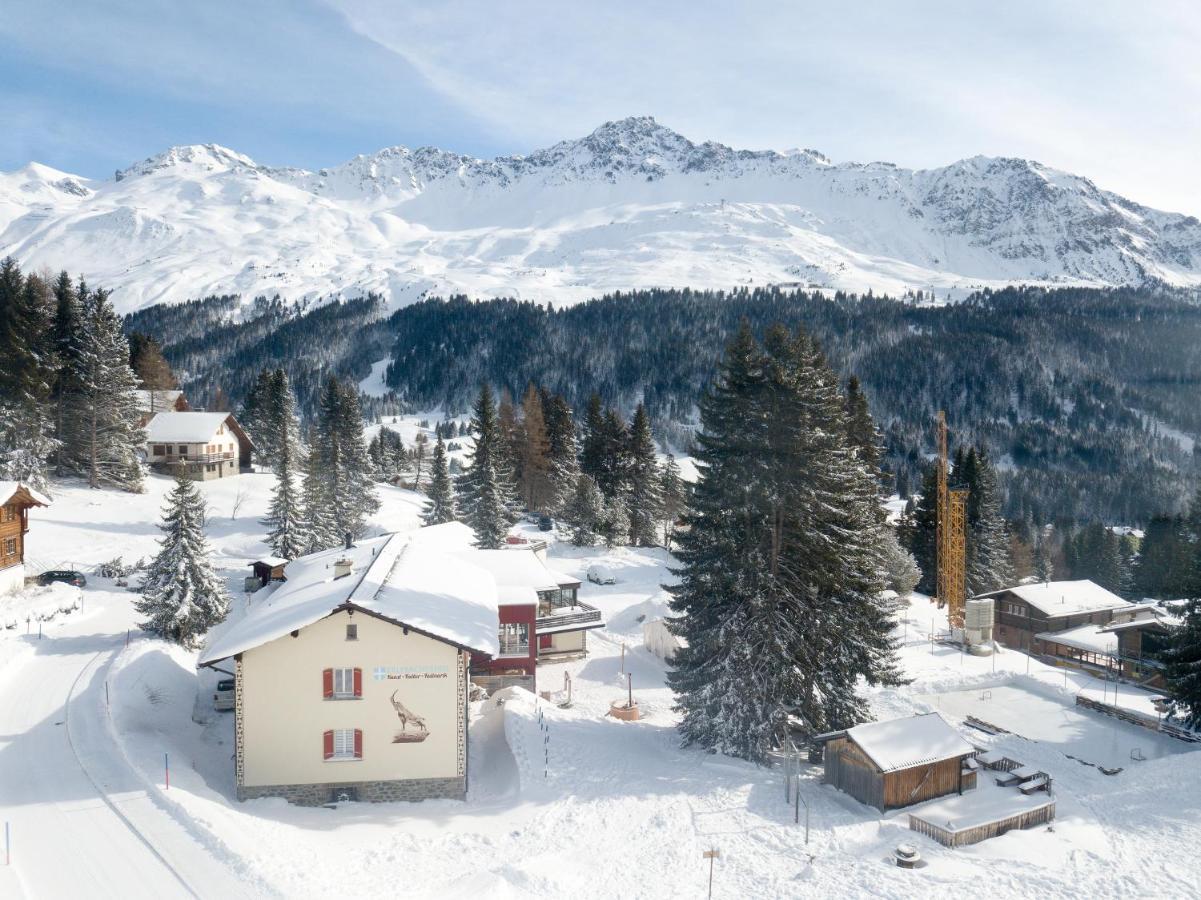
(898, 762)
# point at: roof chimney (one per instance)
(343, 567)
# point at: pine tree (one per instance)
(108, 442)
(65, 340)
(27, 375)
(182, 596)
(674, 496)
(440, 505)
(919, 532)
(645, 493)
(564, 467)
(585, 511)
(417, 458)
(256, 419)
(989, 566)
(151, 367)
(286, 517)
(782, 559)
(861, 430)
(593, 447)
(1182, 662)
(534, 482)
(1127, 554)
(486, 492)
(319, 529)
(1044, 565)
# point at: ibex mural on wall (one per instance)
(413, 729)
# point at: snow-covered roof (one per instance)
(914, 741)
(1088, 638)
(271, 561)
(402, 577)
(9, 489)
(1065, 598)
(188, 427)
(518, 571)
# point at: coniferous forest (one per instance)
(1084, 400)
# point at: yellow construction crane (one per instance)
(950, 537)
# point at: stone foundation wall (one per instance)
(454, 788)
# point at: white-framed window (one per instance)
(343, 682)
(10, 546)
(514, 639)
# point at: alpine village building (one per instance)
(16, 499)
(197, 445)
(898, 762)
(353, 672)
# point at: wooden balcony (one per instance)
(550, 616)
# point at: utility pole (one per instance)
(711, 855)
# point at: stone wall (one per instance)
(364, 791)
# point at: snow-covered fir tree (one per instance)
(674, 495)
(440, 496)
(339, 466)
(1044, 563)
(27, 376)
(782, 558)
(320, 531)
(387, 453)
(644, 496)
(584, 512)
(486, 494)
(106, 443)
(286, 516)
(564, 463)
(989, 566)
(534, 482)
(1183, 664)
(65, 331)
(182, 596)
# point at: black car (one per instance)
(546, 523)
(66, 576)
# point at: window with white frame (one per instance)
(343, 682)
(343, 743)
(514, 639)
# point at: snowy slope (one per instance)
(633, 204)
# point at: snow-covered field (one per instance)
(620, 810)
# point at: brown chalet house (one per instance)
(16, 499)
(200, 446)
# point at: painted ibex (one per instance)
(407, 716)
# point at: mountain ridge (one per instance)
(633, 204)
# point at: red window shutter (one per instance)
(358, 682)
(358, 743)
(328, 744)
(327, 683)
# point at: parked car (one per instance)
(66, 576)
(546, 523)
(223, 700)
(599, 574)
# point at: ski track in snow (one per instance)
(620, 810)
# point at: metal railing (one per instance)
(547, 618)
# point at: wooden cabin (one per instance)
(269, 569)
(16, 499)
(899, 762)
(1026, 612)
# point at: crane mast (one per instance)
(950, 537)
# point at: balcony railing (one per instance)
(514, 647)
(576, 614)
(191, 458)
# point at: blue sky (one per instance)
(1105, 88)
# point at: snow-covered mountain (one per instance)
(634, 204)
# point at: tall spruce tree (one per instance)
(105, 447)
(564, 467)
(27, 375)
(1182, 662)
(65, 332)
(675, 498)
(645, 494)
(320, 530)
(534, 483)
(340, 470)
(286, 516)
(486, 494)
(593, 446)
(989, 565)
(781, 560)
(440, 502)
(584, 512)
(182, 596)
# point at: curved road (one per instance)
(82, 821)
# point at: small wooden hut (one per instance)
(897, 763)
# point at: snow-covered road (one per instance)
(83, 822)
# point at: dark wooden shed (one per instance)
(897, 763)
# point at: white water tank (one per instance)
(978, 622)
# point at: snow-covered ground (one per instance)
(620, 809)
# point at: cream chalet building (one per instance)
(352, 674)
(197, 445)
